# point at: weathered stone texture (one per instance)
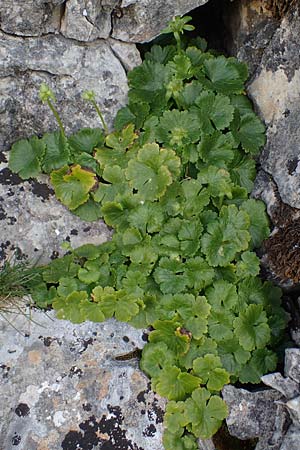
(274, 86)
(250, 27)
(256, 415)
(265, 34)
(142, 20)
(61, 387)
(30, 17)
(88, 20)
(68, 68)
(34, 222)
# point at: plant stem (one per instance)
(100, 115)
(56, 115)
(178, 42)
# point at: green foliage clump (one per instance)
(173, 180)
(16, 280)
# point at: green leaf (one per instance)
(181, 67)
(57, 151)
(251, 328)
(155, 357)
(194, 311)
(108, 192)
(60, 268)
(222, 295)
(147, 83)
(196, 197)
(174, 418)
(262, 361)
(216, 149)
(178, 128)
(205, 413)
(72, 185)
(90, 211)
(143, 257)
(68, 308)
(217, 180)
(113, 213)
(122, 140)
(119, 304)
(249, 131)
(88, 276)
(25, 157)
(120, 144)
(67, 286)
(209, 368)
(199, 347)
(248, 266)
(171, 333)
(199, 274)
(232, 355)
(133, 113)
(175, 384)
(189, 93)
(147, 313)
(132, 236)
(147, 217)
(177, 441)
(152, 171)
(220, 324)
(242, 171)
(242, 104)
(226, 237)
(85, 140)
(214, 111)
(124, 117)
(91, 251)
(226, 75)
(87, 161)
(42, 295)
(162, 55)
(180, 237)
(91, 311)
(178, 25)
(170, 276)
(259, 223)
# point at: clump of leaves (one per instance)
(173, 181)
(16, 280)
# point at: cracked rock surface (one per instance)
(268, 40)
(35, 223)
(62, 388)
(271, 415)
(266, 36)
(69, 68)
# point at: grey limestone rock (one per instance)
(250, 26)
(88, 20)
(142, 20)
(292, 364)
(68, 68)
(126, 53)
(125, 20)
(207, 444)
(35, 223)
(62, 388)
(30, 17)
(266, 36)
(291, 439)
(275, 90)
(258, 414)
(289, 388)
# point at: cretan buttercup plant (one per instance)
(173, 180)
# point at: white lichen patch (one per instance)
(273, 93)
